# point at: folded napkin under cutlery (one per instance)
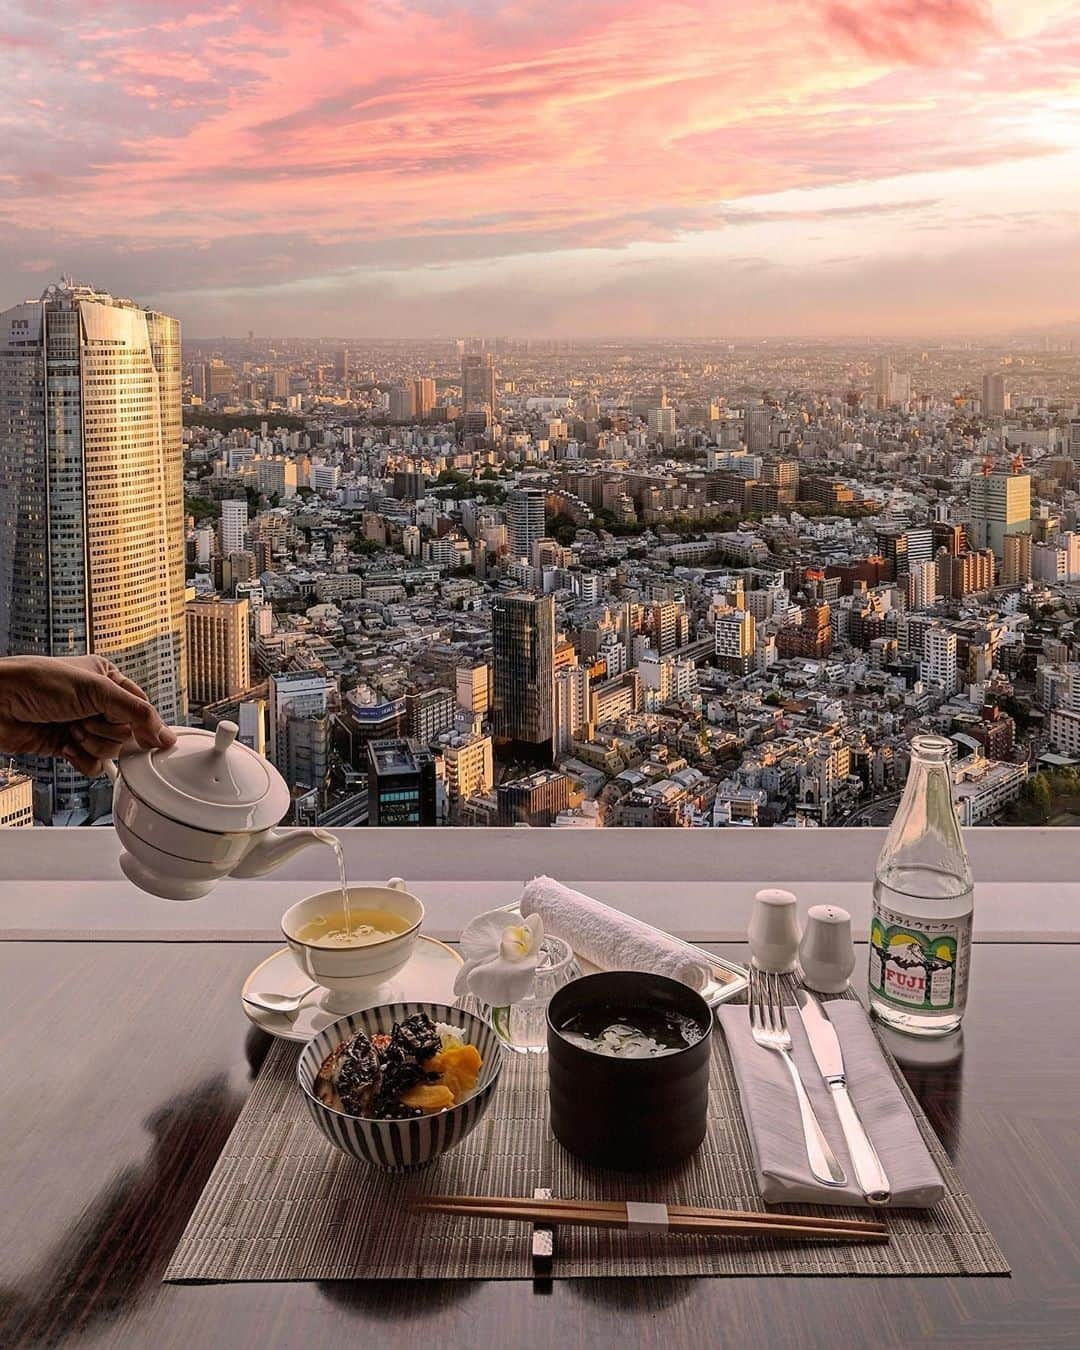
(609, 939)
(772, 1117)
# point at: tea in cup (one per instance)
(352, 955)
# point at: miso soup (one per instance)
(631, 1033)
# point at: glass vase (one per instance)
(522, 1026)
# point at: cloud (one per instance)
(265, 143)
(923, 32)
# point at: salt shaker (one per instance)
(773, 932)
(826, 953)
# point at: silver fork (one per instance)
(768, 1025)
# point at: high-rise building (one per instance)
(523, 640)
(478, 383)
(218, 380)
(922, 590)
(294, 697)
(341, 365)
(423, 397)
(468, 765)
(995, 400)
(735, 636)
(662, 427)
(756, 429)
(883, 381)
(251, 719)
(664, 625)
(16, 799)
(1000, 505)
(402, 403)
(1016, 559)
(91, 494)
(401, 784)
(812, 637)
(571, 706)
(939, 665)
(428, 713)
(218, 649)
(234, 519)
(525, 519)
(473, 688)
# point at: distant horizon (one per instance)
(1062, 330)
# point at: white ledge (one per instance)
(697, 883)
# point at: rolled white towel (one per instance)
(607, 937)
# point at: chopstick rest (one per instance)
(642, 1217)
(543, 1240)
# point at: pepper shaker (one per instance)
(773, 932)
(826, 953)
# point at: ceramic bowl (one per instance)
(352, 975)
(629, 1114)
(394, 1145)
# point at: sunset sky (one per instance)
(566, 167)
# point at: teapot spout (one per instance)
(273, 847)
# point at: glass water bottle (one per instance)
(920, 934)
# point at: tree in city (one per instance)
(1037, 795)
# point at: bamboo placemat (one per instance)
(284, 1204)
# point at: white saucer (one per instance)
(427, 977)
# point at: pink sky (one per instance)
(598, 167)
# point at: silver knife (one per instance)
(825, 1045)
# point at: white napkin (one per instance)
(607, 938)
(772, 1116)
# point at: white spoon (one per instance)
(278, 1003)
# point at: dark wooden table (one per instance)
(124, 1065)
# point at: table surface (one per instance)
(125, 1064)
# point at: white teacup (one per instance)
(352, 976)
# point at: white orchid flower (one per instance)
(500, 957)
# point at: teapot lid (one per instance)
(208, 780)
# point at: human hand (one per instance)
(78, 707)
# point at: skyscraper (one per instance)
(91, 494)
(523, 708)
(756, 428)
(341, 365)
(217, 643)
(883, 381)
(402, 403)
(525, 519)
(995, 401)
(234, 519)
(423, 397)
(478, 382)
(1000, 505)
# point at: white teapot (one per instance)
(202, 810)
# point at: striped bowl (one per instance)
(394, 1145)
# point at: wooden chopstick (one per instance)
(619, 1207)
(681, 1218)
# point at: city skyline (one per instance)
(828, 169)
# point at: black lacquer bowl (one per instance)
(629, 1114)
